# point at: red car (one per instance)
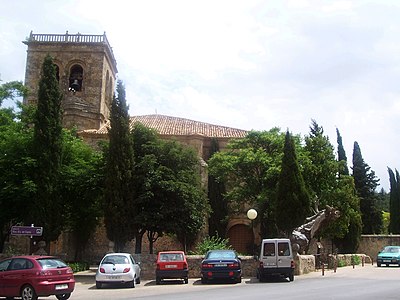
(30, 277)
(171, 265)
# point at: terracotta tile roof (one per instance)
(167, 125)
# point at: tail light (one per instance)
(69, 271)
(233, 266)
(261, 264)
(206, 266)
(158, 267)
(126, 270)
(292, 264)
(102, 270)
(185, 265)
(44, 273)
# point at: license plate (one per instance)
(270, 264)
(113, 277)
(220, 265)
(61, 286)
(386, 260)
(171, 266)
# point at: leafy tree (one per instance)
(293, 200)
(47, 207)
(394, 223)
(167, 188)
(365, 183)
(145, 143)
(346, 231)
(118, 214)
(82, 178)
(218, 219)
(11, 90)
(250, 169)
(321, 167)
(342, 158)
(16, 171)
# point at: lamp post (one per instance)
(251, 215)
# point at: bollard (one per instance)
(323, 269)
(372, 261)
(362, 261)
(335, 265)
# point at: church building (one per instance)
(86, 70)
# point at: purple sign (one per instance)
(26, 230)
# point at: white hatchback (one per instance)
(118, 268)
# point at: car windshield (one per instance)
(51, 263)
(116, 260)
(391, 250)
(221, 255)
(171, 257)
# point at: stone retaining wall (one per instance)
(148, 265)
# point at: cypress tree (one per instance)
(219, 207)
(342, 158)
(394, 224)
(119, 210)
(47, 208)
(365, 183)
(293, 201)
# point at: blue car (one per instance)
(390, 255)
(221, 264)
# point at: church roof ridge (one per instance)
(169, 125)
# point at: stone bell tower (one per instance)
(86, 70)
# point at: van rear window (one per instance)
(269, 249)
(283, 249)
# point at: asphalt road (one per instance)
(367, 283)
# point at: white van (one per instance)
(276, 258)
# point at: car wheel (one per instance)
(186, 280)
(131, 284)
(28, 293)
(98, 285)
(63, 296)
(204, 280)
(138, 280)
(291, 277)
(378, 264)
(158, 280)
(239, 280)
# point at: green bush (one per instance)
(341, 263)
(211, 243)
(78, 266)
(355, 260)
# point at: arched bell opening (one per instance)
(76, 78)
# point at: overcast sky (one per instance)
(246, 64)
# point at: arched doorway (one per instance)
(241, 238)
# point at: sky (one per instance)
(248, 64)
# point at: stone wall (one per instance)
(148, 265)
(304, 264)
(372, 244)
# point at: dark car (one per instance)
(390, 255)
(171, 265)
(221, 264)
(30, 277)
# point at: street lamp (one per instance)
(252, 214)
